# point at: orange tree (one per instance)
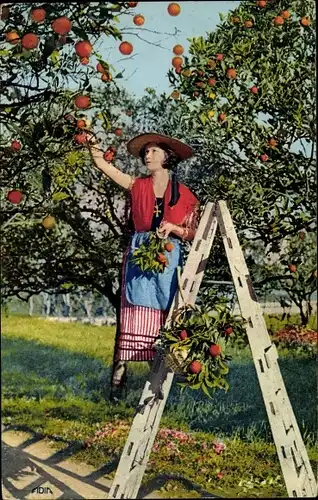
(248, 92)
(50, 66)
(68, 230)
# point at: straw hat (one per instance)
(180, 148)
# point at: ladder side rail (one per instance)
(190, 282)
(290, 447)
(159, 379)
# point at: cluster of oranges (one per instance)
(126, 48)
(62, 26)
(278, 20)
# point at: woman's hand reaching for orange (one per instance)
(165, 229)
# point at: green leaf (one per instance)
(67, 285)
(206, 390)
(55, 56)
(60, 196)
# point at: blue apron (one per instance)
(152, 289)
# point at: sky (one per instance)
(150, 61)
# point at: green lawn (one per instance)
(55, 380)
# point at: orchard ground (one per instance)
(56, 383)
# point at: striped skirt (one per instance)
(139, 327)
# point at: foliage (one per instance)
(297, 340)
(296, 269)
(270, 197)
(152, 255)
(248, 91)
(196, 339)
(39, 90)
(55, 381)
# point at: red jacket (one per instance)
(143, 202)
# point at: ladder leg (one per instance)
(296, 468)
(146, 422)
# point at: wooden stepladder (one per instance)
(295, 465)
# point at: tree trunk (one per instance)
(118, 303)
(46, 305)
(303, 314)
(31, 305)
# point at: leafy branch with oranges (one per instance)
(152, 254)
(195, 341)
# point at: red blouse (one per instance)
(143, 201)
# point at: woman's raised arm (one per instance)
(122, 179)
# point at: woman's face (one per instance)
(154, 157)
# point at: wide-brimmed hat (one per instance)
(180, 148)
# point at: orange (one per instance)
(16, 145)
(132, 4)
(84, 60)
(272, 142)
(100, 68)
(109, 155)
(161, 258)
(174, 9)
(38, 15)
(49, 222)
(83, 48)
(12, 37)
(15, 196)
(195, 367)
(125, 48)
(80, 138)
(118, 132)
(178, 50)
(285, 14)
(248, 24)
(222, 117)
(80, 124)
(305, 21)
(169, 246)
(139, 20)
(261, 4)
(62, 25)
(82, 101)
(175, 94)
(278, 20)
(106, 77)
(177, 61)
(231, 73)
(30, 41)
(215, 350)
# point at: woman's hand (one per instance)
(166, 228)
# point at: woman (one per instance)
(157, 203)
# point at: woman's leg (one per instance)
(120, 373)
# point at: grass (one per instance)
(55, 380)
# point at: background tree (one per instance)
(248, 89)
(229, 102)
(61, 228)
